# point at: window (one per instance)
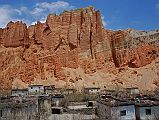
(1, 114)
(56, 111)
(31, 87)
(148, 111)
(123, 113)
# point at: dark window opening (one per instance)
(103, 96)
(89, 104)
(148, 111)
(31, 87)
(123, 113)
(56, 111)
(1, 114)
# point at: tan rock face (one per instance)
(73, 39)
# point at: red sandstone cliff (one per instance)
(74, 39)
(14, 35)
(134, 48)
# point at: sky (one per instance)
(116, 14)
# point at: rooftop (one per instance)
(114, 102)
(16, 104)
(146, 102)
(139, 101)
(57, 96)
(132, 88)
(34, 85)
(92, 88)
(20, 89)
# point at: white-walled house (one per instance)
(114, 109)
(19, 92)
(91, 90)
(133, 90)
(147, 110)
(35, 89)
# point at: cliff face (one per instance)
(14, 35)
(135, 48)
(72, 40)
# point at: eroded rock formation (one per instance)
(74, 39)
(134, 48)
(14, 35)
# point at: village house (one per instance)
(19, 92)
(74, 111)
(82, 107)
(69, 91)
(44, 107)
(108, 92)
(49, 89)
(147, 110)
(132, 91)
(13, 110)
(57, 91)
(91, 90)
(109, 108)
(35, 89)
(57, 100)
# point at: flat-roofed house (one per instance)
(10, 109)
(109, 92)
(69, 91)
(147, 110)
(133, 90)
(49, 89)
(35, 89)
(57, 91)
(57, 100)
(44, 106)
(109, 108)
(91, 90)
(19, 92)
